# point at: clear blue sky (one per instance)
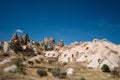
(69, 20)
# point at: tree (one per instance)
(105, 68)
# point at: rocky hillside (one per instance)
(20, 43)
(94, 54)
(48, 53)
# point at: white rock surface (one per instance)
(5, 46)
(35, 58)
(7, 60)
(70, 71)
(95, 53)
(10, 68)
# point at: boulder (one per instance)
(10, 68)
(70, 71)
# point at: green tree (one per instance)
(105, 68)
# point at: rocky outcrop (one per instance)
(21, 40)
(49, 40)
(94, 54)
(14, 37)
(17, 42)
(26, 39)
(1, 45)
(60, 43)
(48, 44)
(5, 47)
(8, 60)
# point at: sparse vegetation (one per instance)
(65, 63)
(105, 68)
(55, 66)
(20, 66)
(50, 69)
(115, 73)
(42, 73)
(55, 71)
(82, 78)
(62, 74)
(6, 54)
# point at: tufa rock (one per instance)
(14, 38)
(21, 40)
(26, 39)
(60, 43)
(49, 44)
(49, 40)
(1, 45)
(16, 42)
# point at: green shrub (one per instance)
(50, 61)
(42, 73)
(62, 75)
(105, 68)
(65, 63)
(115, 73)
(82, 78)
(50, 69)
(21, 70)
(6, 54)
(20, 66)
(55, 71)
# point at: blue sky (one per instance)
(69, 20)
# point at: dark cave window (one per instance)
(87, 48)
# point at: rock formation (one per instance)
(14, 37)
(21, 40)
(60, 43)
(94, 54)
(1, 45)
(26, 39)
(48, 44)
(15, 43)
